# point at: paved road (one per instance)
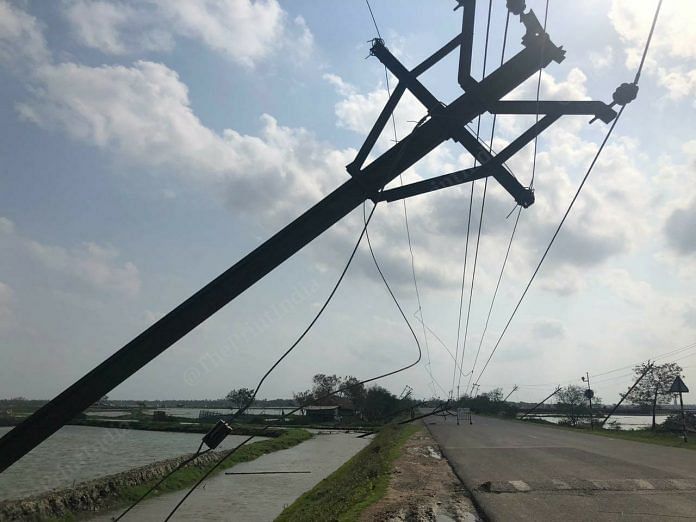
(520, 471)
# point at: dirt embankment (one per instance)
(422, 487)
(92, 495)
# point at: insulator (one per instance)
(217, 434)
(516, 7)
(625, 93)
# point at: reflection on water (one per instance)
(626, 422)
(78, 453)
(255, 497)
(192, 413)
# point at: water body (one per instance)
(78, 453)
(192, 413)
(627, 422)
(255, 497)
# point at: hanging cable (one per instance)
(335, 392)
(514, 228)
(538, 89)
(408, 229)
(393, 296)
(485, 189)
(519, 209)
(442, 343)
(241, 410)
(183, 463)
(580, 187)
(366, 220)
(553, 238)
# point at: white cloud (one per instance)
(97, 266)
(680, 83)
(602, 59)
(117, 27)
(22, 43)
(90, 263)
(358, 111)
(672, 54)
(246, 31)
(674, 35)
(342, 87)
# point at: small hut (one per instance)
(322, 413)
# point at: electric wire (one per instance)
(183, 463)
(406, 223)
(514, 229)
(531, 185)
(366, 220)
(468, 224)
(553, 238)
(575, 197)
(442, 343)
(538, 89)
(241, 410)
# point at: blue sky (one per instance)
(147, 146)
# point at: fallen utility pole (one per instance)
(623, 397)
(514, 389)
(558, 388)
(443, 122)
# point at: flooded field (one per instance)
(256, 497)
(626, 422)
(192, 413)
(78, 453)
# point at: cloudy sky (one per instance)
(147, 146)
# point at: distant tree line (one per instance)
(372, 403)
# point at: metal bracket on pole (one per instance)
(445, 122)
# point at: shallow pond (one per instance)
(78, 453)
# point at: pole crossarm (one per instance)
(491, 165)
(478, 98)
(598, 109)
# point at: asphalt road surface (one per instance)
(523, 471)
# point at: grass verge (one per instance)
(187, 476)
(360, 482)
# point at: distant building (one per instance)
(322, 413)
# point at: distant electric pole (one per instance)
(514, 389)
(589, 393)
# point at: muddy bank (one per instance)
(422, 487)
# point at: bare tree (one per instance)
(653, 389)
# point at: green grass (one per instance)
(357, 484)
(187, 476)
